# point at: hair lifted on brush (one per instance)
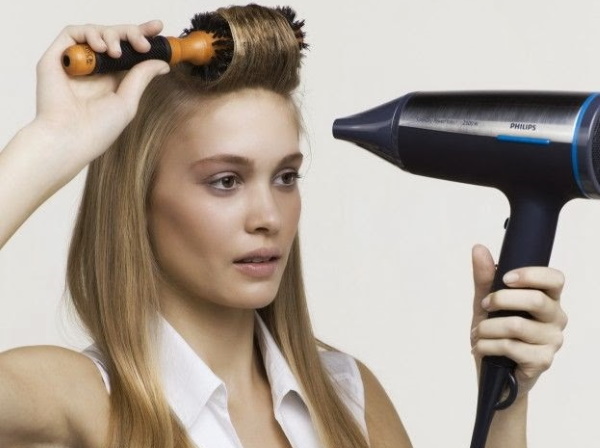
(112, 274)
(253, 49)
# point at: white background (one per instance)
(387, 254)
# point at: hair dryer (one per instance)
(541, 149)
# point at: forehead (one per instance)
(250, 123)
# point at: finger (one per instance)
(81, 34)
(541, 307)
(533, 358)
(137, 40)
(93, 38)
(518, 328)
(137, 79)
(70, 35)
(112, 38)
(134, 34)
(151, 28)
(537, 277)
(483, 276)
(483, 270)
(137, 35)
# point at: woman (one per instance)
(185, 268)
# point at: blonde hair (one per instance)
(112, 272)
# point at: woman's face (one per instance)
(225, 206)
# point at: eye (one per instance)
(287, 178)
(225, 183)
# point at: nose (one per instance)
(264, 214)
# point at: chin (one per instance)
(251, 301)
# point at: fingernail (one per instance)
(485, 303)
(510, 277)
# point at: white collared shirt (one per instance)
(199, 398)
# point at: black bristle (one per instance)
(211, 22)
(296, 25)
(287, 12)
(216, 67)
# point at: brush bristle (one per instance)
(296, 25)
(216, 67)
(210, 22)
(213, 23)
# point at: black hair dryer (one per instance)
(541, 149)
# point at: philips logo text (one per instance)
(523, 126)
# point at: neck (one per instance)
(223, 337)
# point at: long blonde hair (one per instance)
(112, 271)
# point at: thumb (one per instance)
(483, 277)
(137, 79)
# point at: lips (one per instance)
(259, 256)
(259, 264)
(256, 260)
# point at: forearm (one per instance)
(509, 427)
(31, 170)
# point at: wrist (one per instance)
(52, 147)
(40, 159)
(31, 170)
(509, 426)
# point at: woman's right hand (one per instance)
(77, 119)
(84, 115)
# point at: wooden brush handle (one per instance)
(196, 48)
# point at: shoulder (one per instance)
(383, 422)
(343, 370)
(50, 394)
(345, 376)
(366, 399)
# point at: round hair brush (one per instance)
(207, 45)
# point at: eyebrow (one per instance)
(245, 161)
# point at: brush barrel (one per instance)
(80, 59)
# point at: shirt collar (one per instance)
(190, 384)
(281, 378)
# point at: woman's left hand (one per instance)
(531, 343)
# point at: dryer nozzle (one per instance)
(374, 130)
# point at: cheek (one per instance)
(291, 209)
(176, 227)
(187, 225)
